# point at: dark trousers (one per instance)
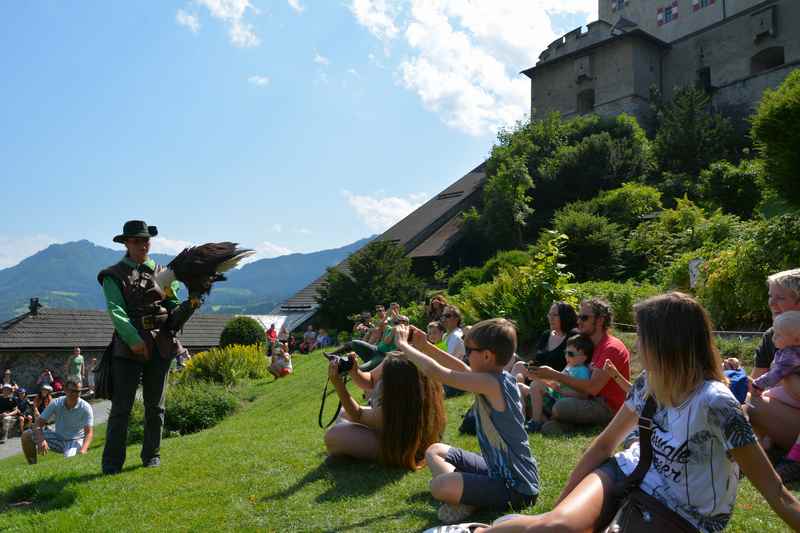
(127, 375)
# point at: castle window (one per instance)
(667, 14)
(586, 101)
(766, 59)
(700, 4)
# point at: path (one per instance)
(13, 445)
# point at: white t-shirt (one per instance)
(691, 472)
(455, 343)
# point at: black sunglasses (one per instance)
(468, 350)
(584, 317)
(571, 353)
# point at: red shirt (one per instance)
(272, 335)
(612, 348)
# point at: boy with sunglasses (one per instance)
(505, 473)
(544, 395)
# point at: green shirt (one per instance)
(75, 365)
(116, 304)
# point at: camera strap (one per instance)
(322, 407)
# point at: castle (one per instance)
(732, 49)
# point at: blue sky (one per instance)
(286, 125)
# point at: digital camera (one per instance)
(343, 363)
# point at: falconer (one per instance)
(146, 318)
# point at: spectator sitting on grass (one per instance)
(453, 338)
(323, 339)
(283, 334)
(26, 414)
(407, 415)
(42, 400)
(700, 436)
(281, 363)
(604, 396)
(436, 333)
(9, 411)
(504, 473)
(544, 395)
(436, 307)
(552, 344)
(74, 423)
(309, 339)
(7, 379)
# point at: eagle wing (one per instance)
(198, 267)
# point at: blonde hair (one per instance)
(788, 279)
(678, 350)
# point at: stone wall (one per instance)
(26, 366)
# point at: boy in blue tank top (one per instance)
(504, 474)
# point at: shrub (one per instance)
(595, 245)
(733, 285)
(226, 365)
(502, 261)
(776, 132)
(523, 294)
(626, 205)
(136, 423)
(417, 315)
(734, 189)
(464, 277)
(621, 296)
(242, 330)
(195, 406)
(742, 348)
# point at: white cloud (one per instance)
(259, 81)
(161, 245)
(15, 249)
(189, 20)
(378, 16)
(381, 212)
(320, 59)
(464, 56)
(267, 249)
(233, 12)
(297, 6)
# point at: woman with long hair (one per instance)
(406, 417)
(700, 436)
(551, 346)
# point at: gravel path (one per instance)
(12, 446)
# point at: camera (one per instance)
(343, 363)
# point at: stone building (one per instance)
(733, 49)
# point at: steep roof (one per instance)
(91, 329)
(427, 232)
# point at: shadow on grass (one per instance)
(429, 516)
(350, 479)
(48, 494)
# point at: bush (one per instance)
(523, 294)
(776, 132)
(136, 423)
(626, 205)
(621, 296)
(417, 314)
(226, 365)
(242, 330)
(734, 189)
(464, 277)
(742, 348)
(195, 406)
(502, 261)
(595, 245)
(733, 284)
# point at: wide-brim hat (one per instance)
(46, 387)
(136, 228)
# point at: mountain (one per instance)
(65, 276)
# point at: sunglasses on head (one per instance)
(584, 317)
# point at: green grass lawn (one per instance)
(262, 470)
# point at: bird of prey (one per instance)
(198, 267)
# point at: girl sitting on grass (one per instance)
(406, 417)
(700, 435)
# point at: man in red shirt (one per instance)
(605, 396)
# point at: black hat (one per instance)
(136, 228)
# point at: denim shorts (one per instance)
(479, 489)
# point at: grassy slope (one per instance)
(262, 470)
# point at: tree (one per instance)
(776, 133)
(379, 273)
(734, 189)
(594, 244)
(241, 330)
(690, 137)
(506, 203)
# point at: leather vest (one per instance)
(145, 307)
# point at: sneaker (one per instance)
(153, 462)
(456, 528)
(450, 514)
(789, 471)
(533, 426)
